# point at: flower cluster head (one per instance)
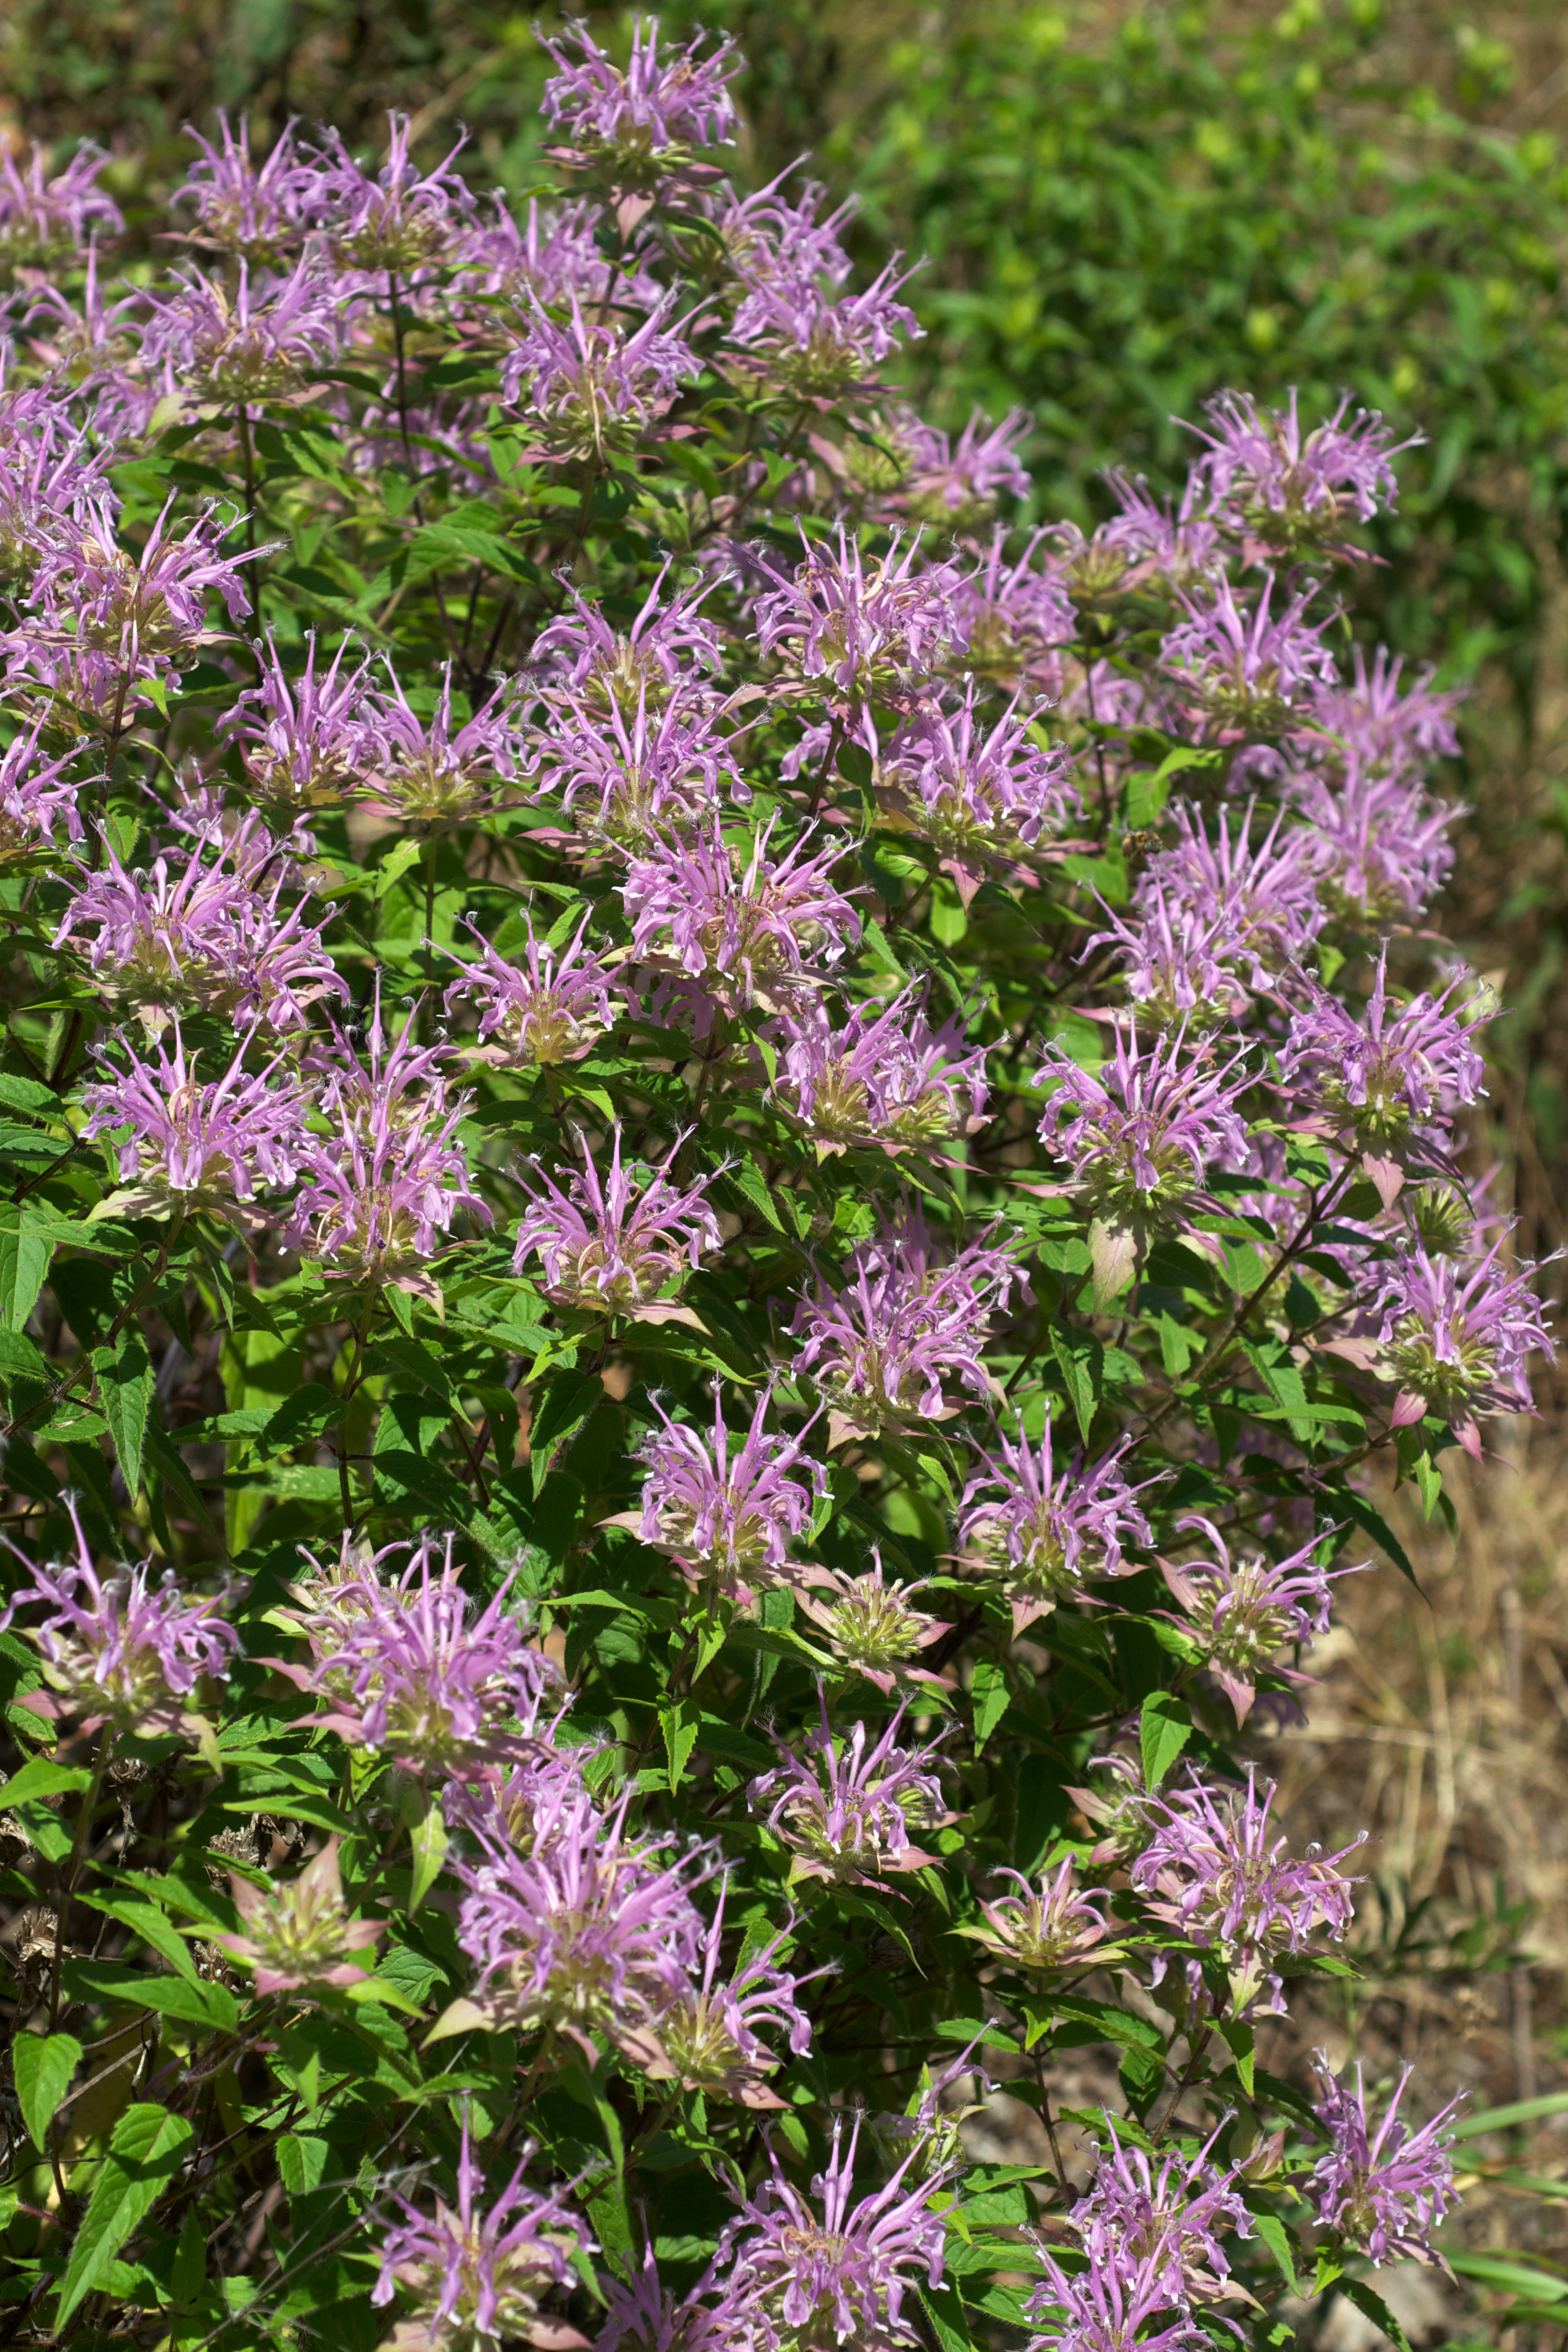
(412, 1670)
(709, 2040)
(729, 935)
(1013, 617)
(590, 1933)
(635, 124)
(882, 1348)
(1214, 1871)
(816, 344)
(728, 1517)
(36, 794)
(44, 221)
(1383, 2190)
(128, 617)
(1392, 1081)
(590, 385)
(1293, 490)
(1108, 2308)
(581, 661)
(1264, 894)
(255, 211)
(552, 1008)
(1241, 673)
(873, 1627)
(384, 1183)
(1174, 2217)
(616, 1244)
(651, 776)
(1042, 1532)
(1141, 1132)
(847, 1814)
(985, 793)
(475, 2277)
(822, 2280)
(887, 1077)
(1179, 549)
(227, 345)
(307, 738)
(429, 772)
(1455, 1335)
(118, 1650)
(197, 1144)
(295, 1934)
(869, 626)
(204, 933)
(1242, 1612)
(1377, 844)
(1050, 1927)
(1376, 724)
(958, 483)
(398, 222)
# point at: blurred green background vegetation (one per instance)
(1124, 211)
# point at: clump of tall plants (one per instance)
(715, 1177)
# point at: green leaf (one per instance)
(44, 2065)
(992, 1696)
(427, 1832)
(1522, 2111)
(1370, 2303)
(211, 2006)
(43, 1778)
(146, 2152)
(1372, 1522)
(125, 1384)
(1082, 1361)
(25, 1253)
(1165, 1727)
(1281, 2244)
(681, 1725)
(1237, 2038)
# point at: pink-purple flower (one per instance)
(1042, 1531)
(205, 933)
(866, 625)
(413, 1670)
(616, 1242)
(1242, 1612)
(733, 934)
(44, 221)
(475, 2274)
(198, 1144)
(1045, 1928)
(384, 1183)
(589, 1933)
(836, 2272)
(1382, 2190)
(1216, 1872)
(1455, 1335)
(552, 1008)
(885, 1347)
(1293, 489)
(889, 1076)
(980, 787)
(851, 1809)
(1389, 1082)
(728, 1517)
(1141, 1132)
(624, 119)
(120, 1650)
(1241, 673)
(589, 386)
(306, 736)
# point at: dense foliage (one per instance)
(716, 1173)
